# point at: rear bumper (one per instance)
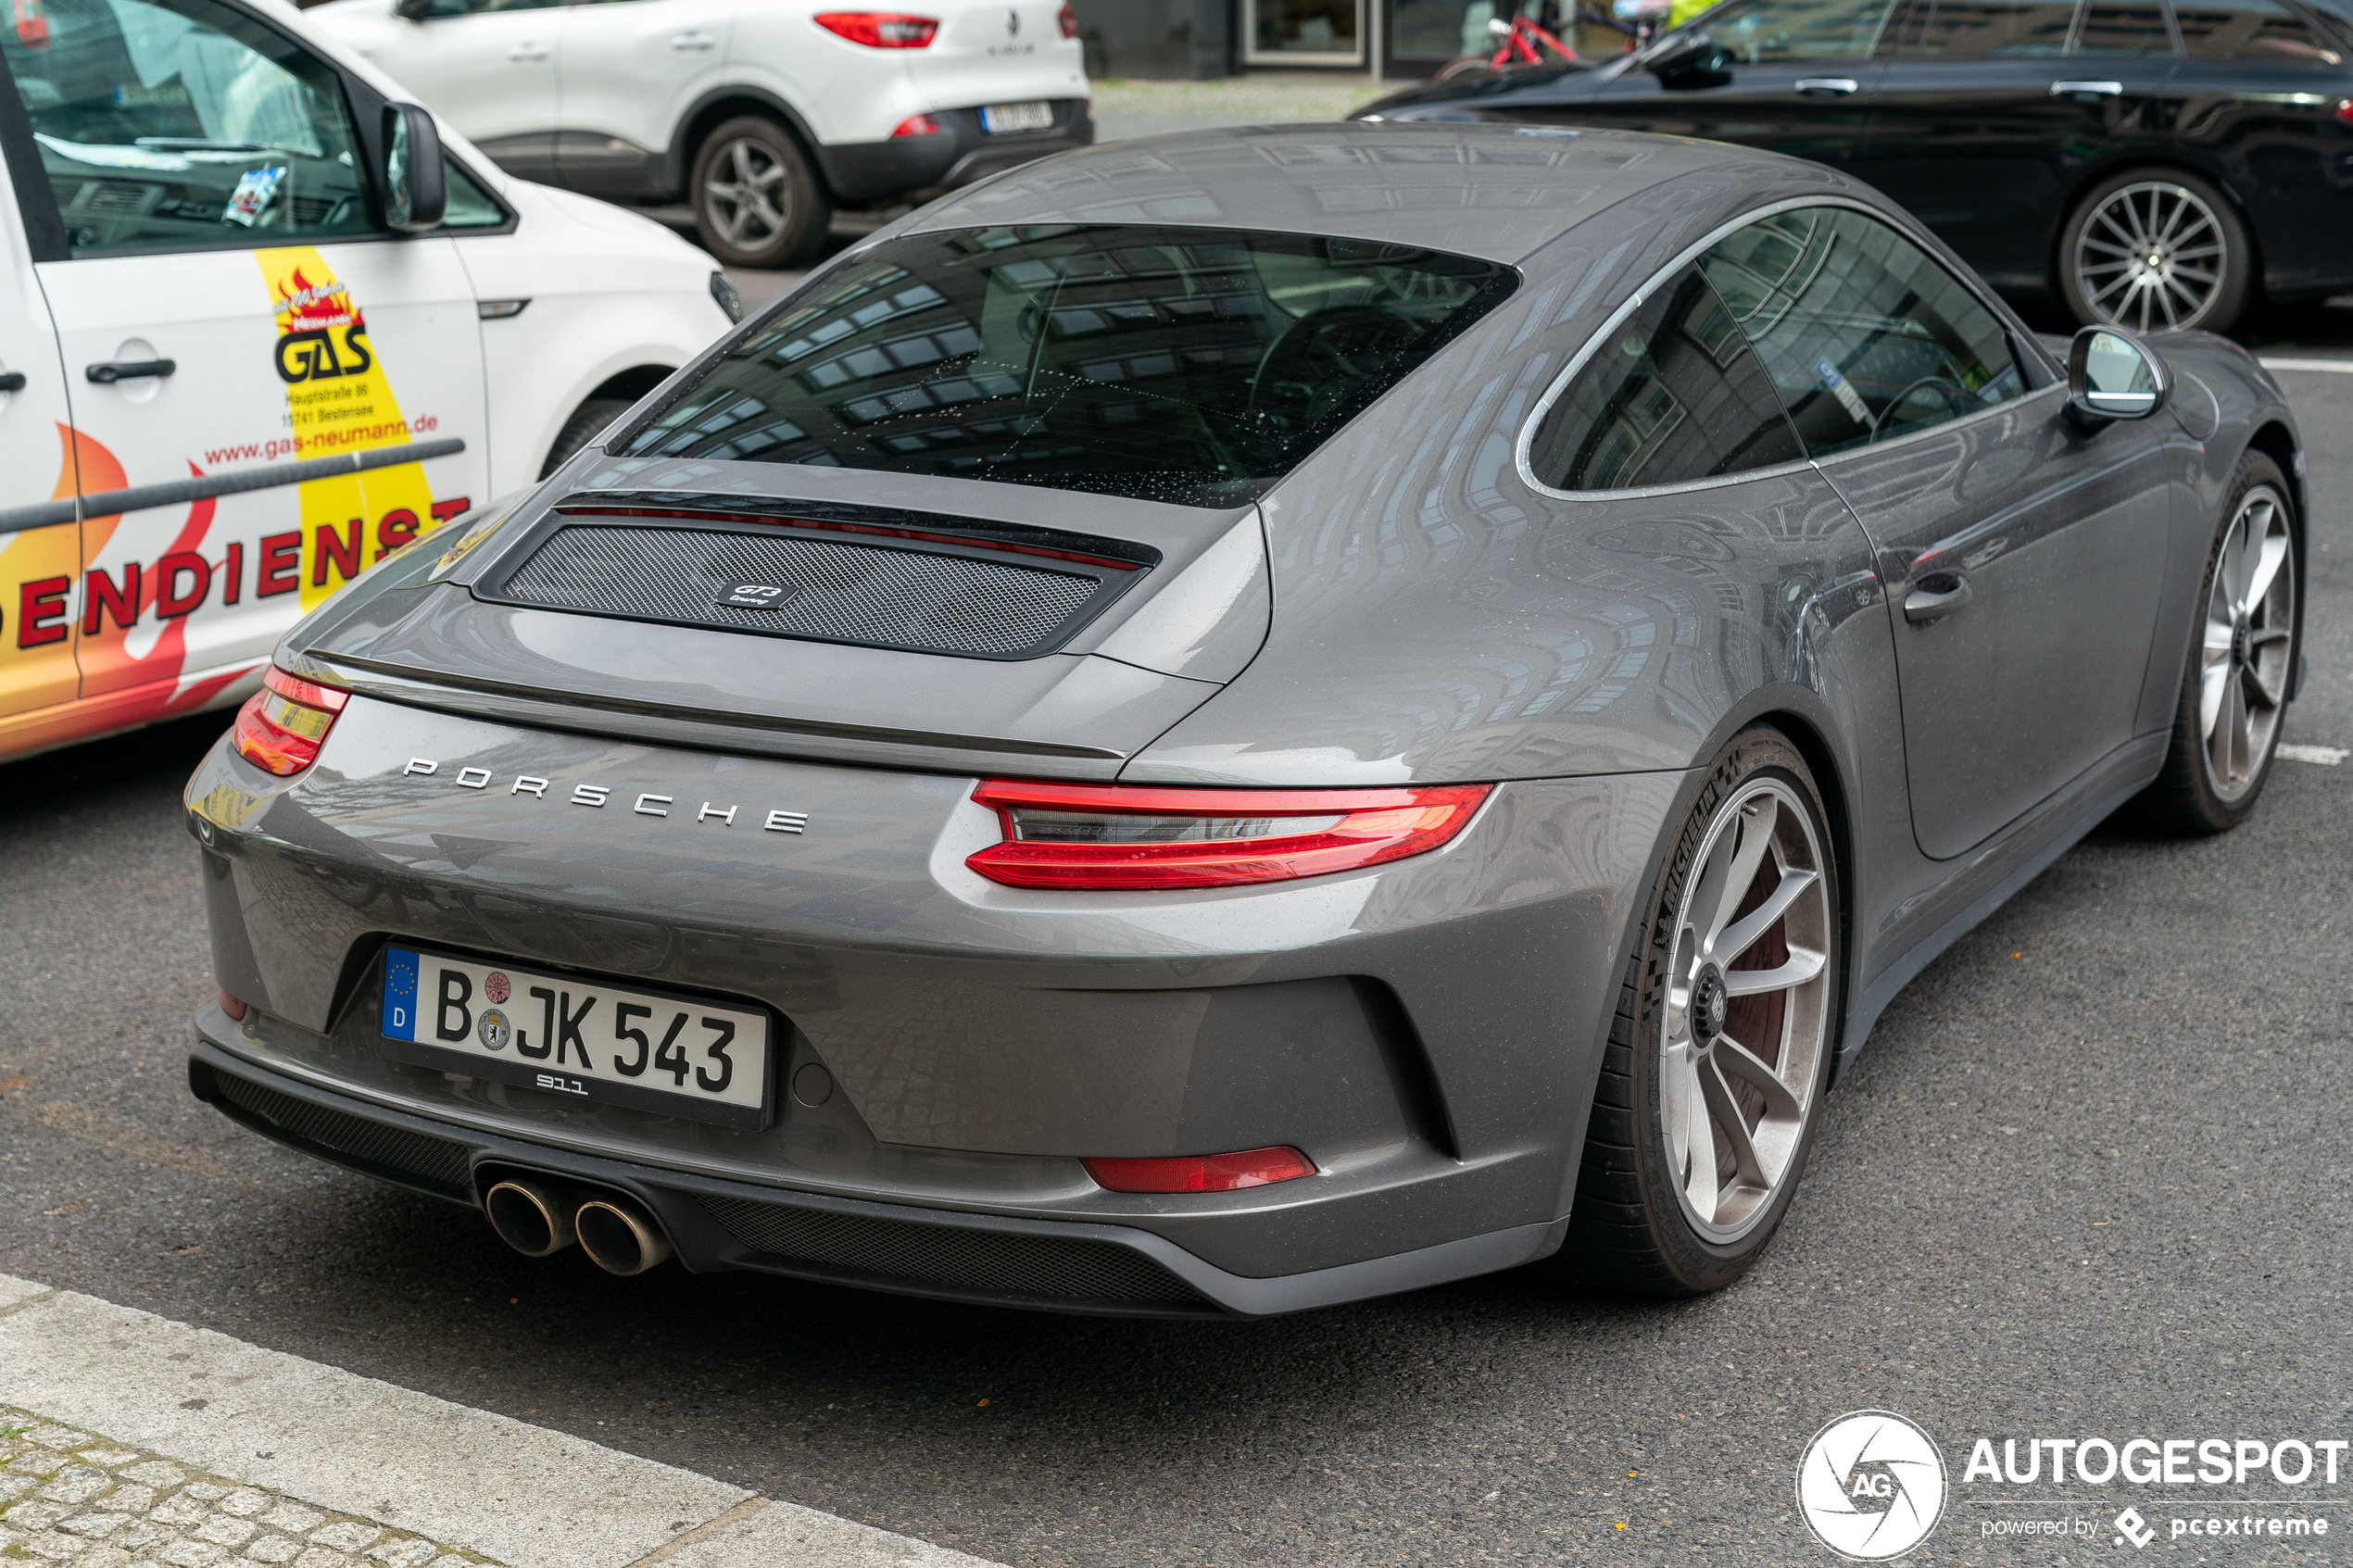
(872, 173)
(717, 1226)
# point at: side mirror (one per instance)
(412, 10)
(2113, 375)
(415, 194)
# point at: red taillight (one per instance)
(233, 1006)
(1142, 837)
(917, 125)
(881, 29)
(1202, 1172)
(2345, 110)
(1068, 21)
(281, 726)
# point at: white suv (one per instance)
(763, 113)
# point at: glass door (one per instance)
(1304, 32)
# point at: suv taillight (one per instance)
(281, 726)
(1101, 836)
(881, 29)
(1068, 21)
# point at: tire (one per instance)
(587, 421)
(757, 202)
(2205, 271)
(1635, 1225)
(2242, 663)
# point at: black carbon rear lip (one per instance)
(690, 1208)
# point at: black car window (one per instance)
(2119, 27)
(2250, 29)
(1864, 334)
(1764, 31)
(1975, 30)
(1671, 394)
(1173, 364)
(184, 125)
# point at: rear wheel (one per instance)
(2226, 728)
(757, 202)
(2156, 250)
(1713, 1080)
(587, 421)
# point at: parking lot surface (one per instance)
(2087, 1179)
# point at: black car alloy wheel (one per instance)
(2156, 250)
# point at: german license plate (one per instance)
(650, 1050)
(998, 119)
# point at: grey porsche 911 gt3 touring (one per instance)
(1225, 724)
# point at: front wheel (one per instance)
(2242, 663)
(757, 202)
(1719, 1053)
(2156, 250)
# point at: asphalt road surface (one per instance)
(2089, 1178)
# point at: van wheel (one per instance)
(757, 202)
(586, 423)
(2156, 250)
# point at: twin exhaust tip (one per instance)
(538, 1219)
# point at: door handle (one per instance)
(686, 42)
(522, 52)
(1840, 85)
(11, 380)
(2087, 89)
(109, 372)
(1937, 595)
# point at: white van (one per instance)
(261, 325)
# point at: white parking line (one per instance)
(487, 1483)
(2326, 755)
(2342, 366)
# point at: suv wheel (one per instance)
(757, 202)
(2156, 250)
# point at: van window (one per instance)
(184, 125)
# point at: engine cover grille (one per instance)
(831, 589)
(1076, 1269)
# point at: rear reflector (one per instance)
(1202, 1173)
(233, 1006)
(916, 125)
(1139, 837)
(281, 726)
(880, 29)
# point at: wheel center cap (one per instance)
(2239, 640)
(1710, 1003)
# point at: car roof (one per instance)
(1494, 192)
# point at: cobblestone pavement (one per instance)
(78, 1498)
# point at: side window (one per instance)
(1977, 30)
(2250, 29)
(1765, 32)
(2121, 26)
(1672, 395)
(184, 125)
(1866, 336)
(471, 206)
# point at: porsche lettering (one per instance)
(596, 796)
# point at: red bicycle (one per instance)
(1520, 43)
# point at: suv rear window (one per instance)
(1190, 365)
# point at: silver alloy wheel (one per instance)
(748, 194)
(1748, 1010)
(2151, 257)
(2250, 626)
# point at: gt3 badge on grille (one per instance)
(748, 594)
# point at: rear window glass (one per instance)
(1189, 365)
(2250, 30)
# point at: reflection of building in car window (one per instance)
(184, 124)
(1800, 29)
(2250, 30)
(1186, 365)
(1864, 334)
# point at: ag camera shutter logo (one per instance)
(1872, 1486)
